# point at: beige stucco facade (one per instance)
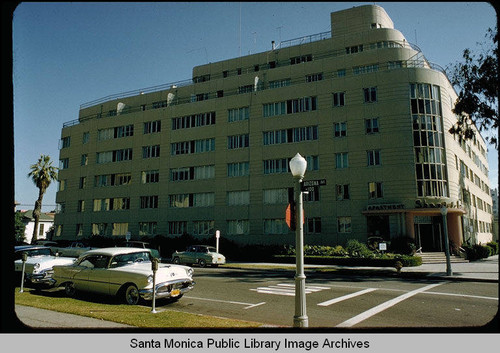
(342, 99)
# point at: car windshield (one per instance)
(211, 249)
(128, 259)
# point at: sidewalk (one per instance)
(485, 270)
(41, 318)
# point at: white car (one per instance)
(125, 272)
(39, 264)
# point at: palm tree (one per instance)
(42, 174)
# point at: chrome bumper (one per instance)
(168, 289)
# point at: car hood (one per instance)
(45, 261)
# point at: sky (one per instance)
(67, 54)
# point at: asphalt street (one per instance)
(341, 301)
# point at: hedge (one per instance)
(406, 260)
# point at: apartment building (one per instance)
(365, 108)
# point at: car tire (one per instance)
(69, 289)
(202, 263)
(176, 261)
(131, 294)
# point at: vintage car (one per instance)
(75, 249)
(202, 255)
(124, 272)
(39, 264)
(142, 245)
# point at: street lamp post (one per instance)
(444, 212)
(298, 166)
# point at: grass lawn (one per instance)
(108, 308)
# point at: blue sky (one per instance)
(66, 54)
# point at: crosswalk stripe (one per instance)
(286, 289)
(379, 308)
(345, 297)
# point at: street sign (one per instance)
(308, 184)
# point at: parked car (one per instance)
(202, 255)
(142, 245)
(124, 272)
(74, 250)
(39, 264)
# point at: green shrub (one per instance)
(357, 249)
(476, 251)
(494, 246)
(403, 245)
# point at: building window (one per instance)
(359, 70)
(312, 195)
(41, 229)
(375, 190)
(152, 127)
(99, 228)
(204, 228)
(291, 106)
(370, 94)
(62, 185)
(314, 77)
(149, 201)
(114, 156)
(65, 142)
(177, 227)
(275, 226)
(238, 227)
(430, 158)
(280, 83)
(342, 192)
(299, 134)
(159, 104)
(340, 129)
(300, 59)
(371, 126)
(245, 89)
(190, 147)
(354, 49)
(79, 229)
(64, 163)
(341, 160)
(339, 99)
(275, 196)
(238, 169)
(341, 73)
(224, 73)
(148, 228)
(195, 120)
(238, 114)
(276, 166)
(82, 183)
(237, 141)
(344, 224)
(313, 225)
(151, 151)
(373, 157)
(119, 228)
(192, 200)
(112, 179)
(86, 137)
(81, 206)
(84, 159)
(150, 176)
